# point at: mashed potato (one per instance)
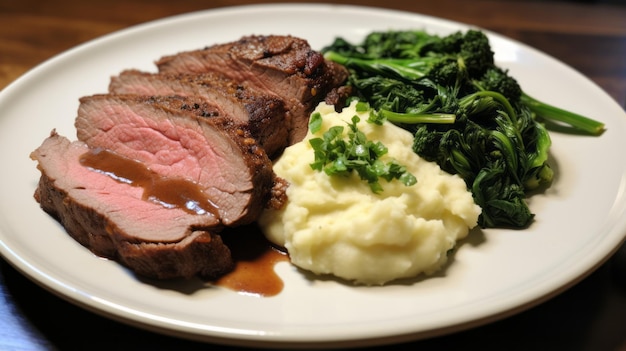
(337, 225)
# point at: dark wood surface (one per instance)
(588, 35)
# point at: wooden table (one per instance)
(590, 36)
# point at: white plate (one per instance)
(580, 220)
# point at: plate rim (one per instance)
(66, 292)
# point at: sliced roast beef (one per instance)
(262, 114)
(283, 65)
(176, 136)
(113, 219)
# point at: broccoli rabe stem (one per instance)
(553, 113)
(403, 68)
(414, 118)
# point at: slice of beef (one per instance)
(113, 220)
(262, 114)
(176, 136)
(283, 65)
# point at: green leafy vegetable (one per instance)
(466, 113)
(338, 156)
(315, 122)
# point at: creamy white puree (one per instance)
(337, 225)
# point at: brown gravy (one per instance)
(255, 259)
(254, 256)
(169, 192)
